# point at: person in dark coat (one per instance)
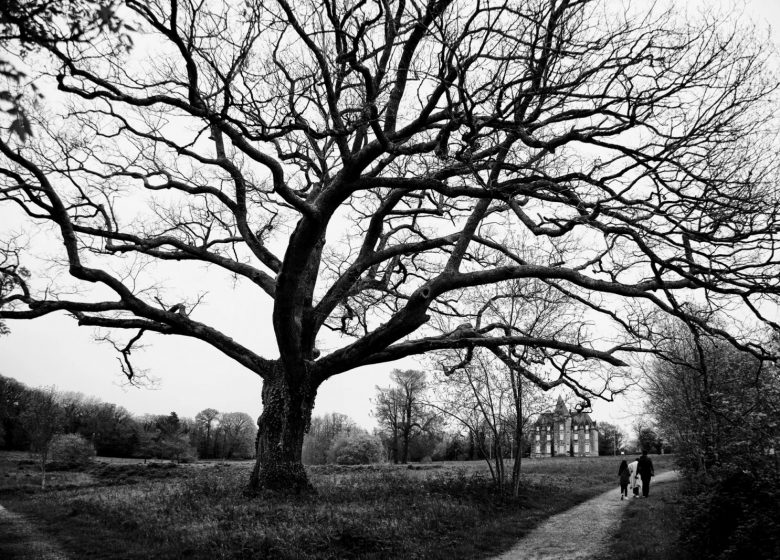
(645, 472)
(625, 475)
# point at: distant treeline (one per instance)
(115, 432)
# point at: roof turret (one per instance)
(560, 408)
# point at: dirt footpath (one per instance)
(582, 532)
(20, 541)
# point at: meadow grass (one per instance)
(650, 528)
(200, 511)
(20, 472)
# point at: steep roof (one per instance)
(545, 418)
(582, 418)
(560, 408)
(560, 411)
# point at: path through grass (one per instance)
(650, 527)
(444, 511)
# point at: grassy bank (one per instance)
(650, 528)
(199, 511)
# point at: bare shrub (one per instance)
(72, 450)
(355, 449)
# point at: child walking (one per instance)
(633, 478)
(625, 475)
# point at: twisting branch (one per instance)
(547, 178)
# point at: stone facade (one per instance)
(564, 433)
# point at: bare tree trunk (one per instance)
(407, 426)
(499, 460)
(43, 469)
(518, 395)
(518, 454)
(281, 427)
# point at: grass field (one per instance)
(439, 510)
(648, 528)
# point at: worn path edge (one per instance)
(581, 532)
(19, 540)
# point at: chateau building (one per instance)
(564, 432)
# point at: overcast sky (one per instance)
(192, 375)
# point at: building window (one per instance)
(548, 436)
(576, 436)
(562, 449)
(587, 447)
(537, 437)
(538, 448)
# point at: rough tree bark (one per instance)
(281, 427)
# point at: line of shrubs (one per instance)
(734, 512)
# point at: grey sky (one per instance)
(192, 375)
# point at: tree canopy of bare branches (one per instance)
(365, 163)
(401, 411)
(716, 404)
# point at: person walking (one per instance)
(633, 478)
(646, 472)
(625, 476)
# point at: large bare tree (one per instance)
(487, 397)
(401, 412)
(362, 163)
(486, 387)
(42, 420)
(714, 403)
